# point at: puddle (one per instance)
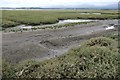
(72, 21)
(92, 13)
(109, 28)
(24, 27)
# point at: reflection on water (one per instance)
(110, 27)
(23, 26)
(73, 21)
(92, 13)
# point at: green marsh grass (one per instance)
(11, 18)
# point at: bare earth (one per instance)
(44, 44)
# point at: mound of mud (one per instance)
(24, 52)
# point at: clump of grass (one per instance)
(8, 71)
(102, 42)
(113, 35)
(34, 28)
(71, 24)
(8, 24)
(65, 25)
(99, 41)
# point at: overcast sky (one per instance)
(53, 3)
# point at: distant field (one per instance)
(11, 18)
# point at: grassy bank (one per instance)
(12, 18)
(45, 27)
(95, 58)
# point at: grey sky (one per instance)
(53, 3)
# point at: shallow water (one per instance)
(110, 27)
(24, 27)
(73, 21)
(92, 13)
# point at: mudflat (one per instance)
(49, 43)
